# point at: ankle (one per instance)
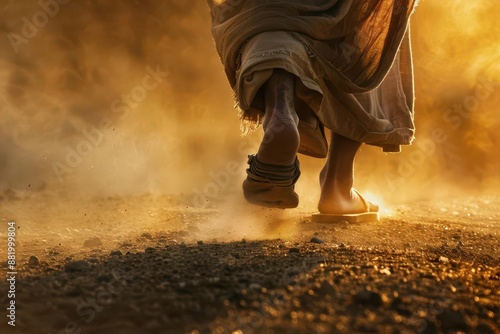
(280, 144)
(341, 189)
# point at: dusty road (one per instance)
(156, 265)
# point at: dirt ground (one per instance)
(154, 264)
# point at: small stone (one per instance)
(199, 243)
(293, 250)
(385, 271)
(317, 240)
(255, 286)
(93, 243)
(404, 311)
(325, 289)
(116, 253)
(369, 298)
(147, 235)
(77, 266)
(34, 261)
(342, 245)
(150, 250)
(443, 259)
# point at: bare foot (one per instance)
(337, 178)
(350, 203)
(274, 171)
(281, 135)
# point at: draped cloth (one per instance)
(352, 60)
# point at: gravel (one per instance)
(316, 240)
(369, 298)
(402, 275)
(93, 243)
(77, 266)
(34, 261)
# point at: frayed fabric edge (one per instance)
(249, 121)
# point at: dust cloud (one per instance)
(129, 98)
(457, 79)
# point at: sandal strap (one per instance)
(279, 176)
(365, 202)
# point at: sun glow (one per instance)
(384, 209)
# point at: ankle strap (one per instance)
(279, 176)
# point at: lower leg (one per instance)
(274, 171)
(281, 137)
(337, 178)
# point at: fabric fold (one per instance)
(352, 60)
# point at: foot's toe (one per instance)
(354, 203)
(369, 205)
(373, 207)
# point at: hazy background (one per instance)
(63, 80)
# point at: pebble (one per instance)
(293, 250)
(34, 261)
(94, 242)
(444, 259)
(150, 250)
(385, 271)
(369, 298)
(116, 253)
(147, 235)
(316, 240)
(77, 266)
(199, 243)
(326, 288)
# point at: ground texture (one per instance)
(156, 265)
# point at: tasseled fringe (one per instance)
(249, 122)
